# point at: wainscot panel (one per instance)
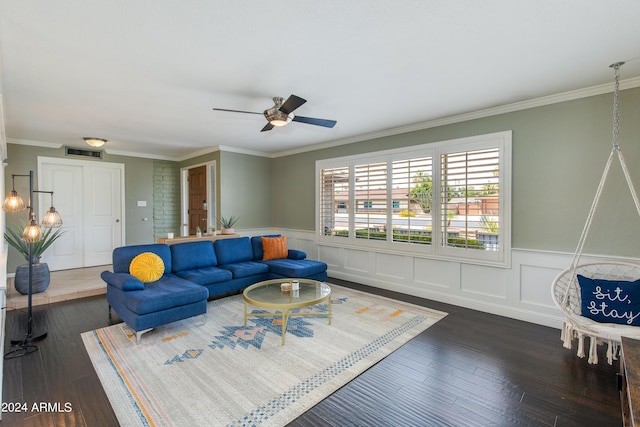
(393, 267)
(334, 257)
(521, 292)
(442, 274)
(357, 261)
(483, 281)
(534, 285)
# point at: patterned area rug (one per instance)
(220, 372)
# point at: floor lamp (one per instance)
(31, 234)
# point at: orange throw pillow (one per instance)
(274, 248)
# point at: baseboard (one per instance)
(457, 300)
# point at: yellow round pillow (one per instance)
(147, 267)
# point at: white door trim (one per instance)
(42, 202)
(211, 196)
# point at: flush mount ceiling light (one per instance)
(95, 142)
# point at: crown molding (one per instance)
(224, 148)
(140, 155)
(33, 143)
(487, 112)
(243, 151)
(197, 153)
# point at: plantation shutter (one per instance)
(412, 184)
(469, 199)
(371, 201)
(334, 204)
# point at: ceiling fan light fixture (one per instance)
(277, 117)
(95, 142)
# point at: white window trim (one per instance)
(499, 258)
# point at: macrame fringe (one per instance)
(593, 350)
(566, 335)
(612, 352)
(569, 333)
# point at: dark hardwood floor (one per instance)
(469, 369)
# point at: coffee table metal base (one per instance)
(285, 308)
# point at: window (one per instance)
(412, 180)
(335, 196)
(470, 198)
(448, 199)
(370, 185)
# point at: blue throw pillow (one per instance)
(610, 301)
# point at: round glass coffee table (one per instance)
(268, 294)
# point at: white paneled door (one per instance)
(88, 195)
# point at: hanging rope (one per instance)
(615, 150)
(565, 287)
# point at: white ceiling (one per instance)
(145, 74)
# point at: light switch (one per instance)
(142, 203)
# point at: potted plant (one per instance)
(41, 276)
(226, 224)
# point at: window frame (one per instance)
(436, 250)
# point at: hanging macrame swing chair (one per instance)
(566, 288)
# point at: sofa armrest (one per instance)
(124, 281)
(296, 254)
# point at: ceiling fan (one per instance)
(282, 114)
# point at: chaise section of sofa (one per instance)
(144, 306)
(295, 264)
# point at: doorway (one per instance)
(89, 197)
(198, 211)
(198, 191)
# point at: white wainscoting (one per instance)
(521, 292)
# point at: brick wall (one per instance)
(166, 198)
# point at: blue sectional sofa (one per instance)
(193, 273)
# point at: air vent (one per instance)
(94, 154)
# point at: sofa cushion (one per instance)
(193, 255)
(206, 275)
(147, 267)
(231, 251)
(246, 268)
(123, 256)
(274, 248)
(296, 268)
(166, 293)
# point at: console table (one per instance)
(630, 393)
(183, 239)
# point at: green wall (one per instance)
(138, 186)
(245, 189)
(559, 153)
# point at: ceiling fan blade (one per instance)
(313, 121)
(267, 127)
(291, 104)
(235, 111)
